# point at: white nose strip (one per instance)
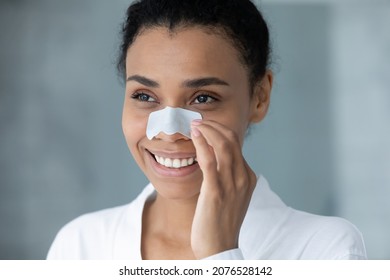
(170, 121)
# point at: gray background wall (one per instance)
(324, 146)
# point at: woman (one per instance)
(203, 201)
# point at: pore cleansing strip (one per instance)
(170, 121)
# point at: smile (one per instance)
(175, 162)
(170, 164)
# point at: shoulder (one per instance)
(272, 230)
(326, 237)
(99, 235)
(87, 235)
(99, 222)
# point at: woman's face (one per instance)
(192, 69)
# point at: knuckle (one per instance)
(232, 136)
(242, 182)
(224, 145)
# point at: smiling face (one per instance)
(193, 69)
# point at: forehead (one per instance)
(185, 48)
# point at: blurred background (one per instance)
(324, 147)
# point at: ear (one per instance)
(261, 98)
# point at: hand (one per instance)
(227, 187)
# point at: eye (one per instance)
(143, 97)
(204, 98)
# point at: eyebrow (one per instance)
(192, 83)
(143, 80)
(202, 82)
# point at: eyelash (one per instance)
(207, 96)
(137, 96)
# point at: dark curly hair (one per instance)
(238, 20)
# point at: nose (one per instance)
(171, 138)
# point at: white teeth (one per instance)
(168, 162)
(174, 163)
(184, 162)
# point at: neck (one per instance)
(171, 217)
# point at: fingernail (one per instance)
(196, 122)
(195, 132)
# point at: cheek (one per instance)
(236, 119)
(134, 126)
(239, 126)
(240, 120)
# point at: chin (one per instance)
(176, 189)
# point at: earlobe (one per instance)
(261, 97)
